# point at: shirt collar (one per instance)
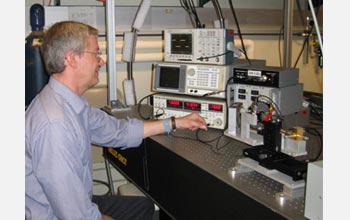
(77, 102)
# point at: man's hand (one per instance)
(106, 217)
(192, 122)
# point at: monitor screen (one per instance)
(169, 77)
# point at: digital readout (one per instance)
(192, 106)
(215, 107)
(174, 103)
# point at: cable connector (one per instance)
(234, 49)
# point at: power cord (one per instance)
(219, 55)
(239, 31)
(216, 140)
(139, 107)
(190, 8)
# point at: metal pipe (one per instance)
(109, 176)
(316, 25)
(111, 62)
(288, 26)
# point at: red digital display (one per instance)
(174, 103)
(215, 107)
(192, 106)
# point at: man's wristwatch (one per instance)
(173, 123)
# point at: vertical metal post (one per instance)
(111, 60)
(109, 175)
(112, 98)
(288, 31)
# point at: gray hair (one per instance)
(61, 38)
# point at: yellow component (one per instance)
(296, 133)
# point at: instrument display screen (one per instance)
(181, 43)
(174, 103)
(169, 77)
(215, 107)
(194, 106)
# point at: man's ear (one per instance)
(71, 59)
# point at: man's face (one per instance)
(91, 63)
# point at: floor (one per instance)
(101, 186)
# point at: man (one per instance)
(61, 126)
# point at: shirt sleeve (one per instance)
(109, 131)
(61, 173)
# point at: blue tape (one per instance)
(166, 125)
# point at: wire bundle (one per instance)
(190, 8)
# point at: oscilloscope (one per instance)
(205, 46)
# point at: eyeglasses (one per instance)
(98, 53)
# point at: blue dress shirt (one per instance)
(60, 127)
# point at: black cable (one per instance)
(306, 39)
(103, 183)
(271, 102)
(315, 101)
(321, 142)
(139, 106)
(190, 8)
(185, 6)
(219, 55)
(279, 45)
(239, 31)
(194, 12)
(223, 146)
(300, 12)
(303, 47)
(315, 112)
(204, 141)
(274, 105)
(218, 12)
(217, 139)
(213, 93)
(196, 139)
(227, 98)
(304, 43)
(320, 125)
